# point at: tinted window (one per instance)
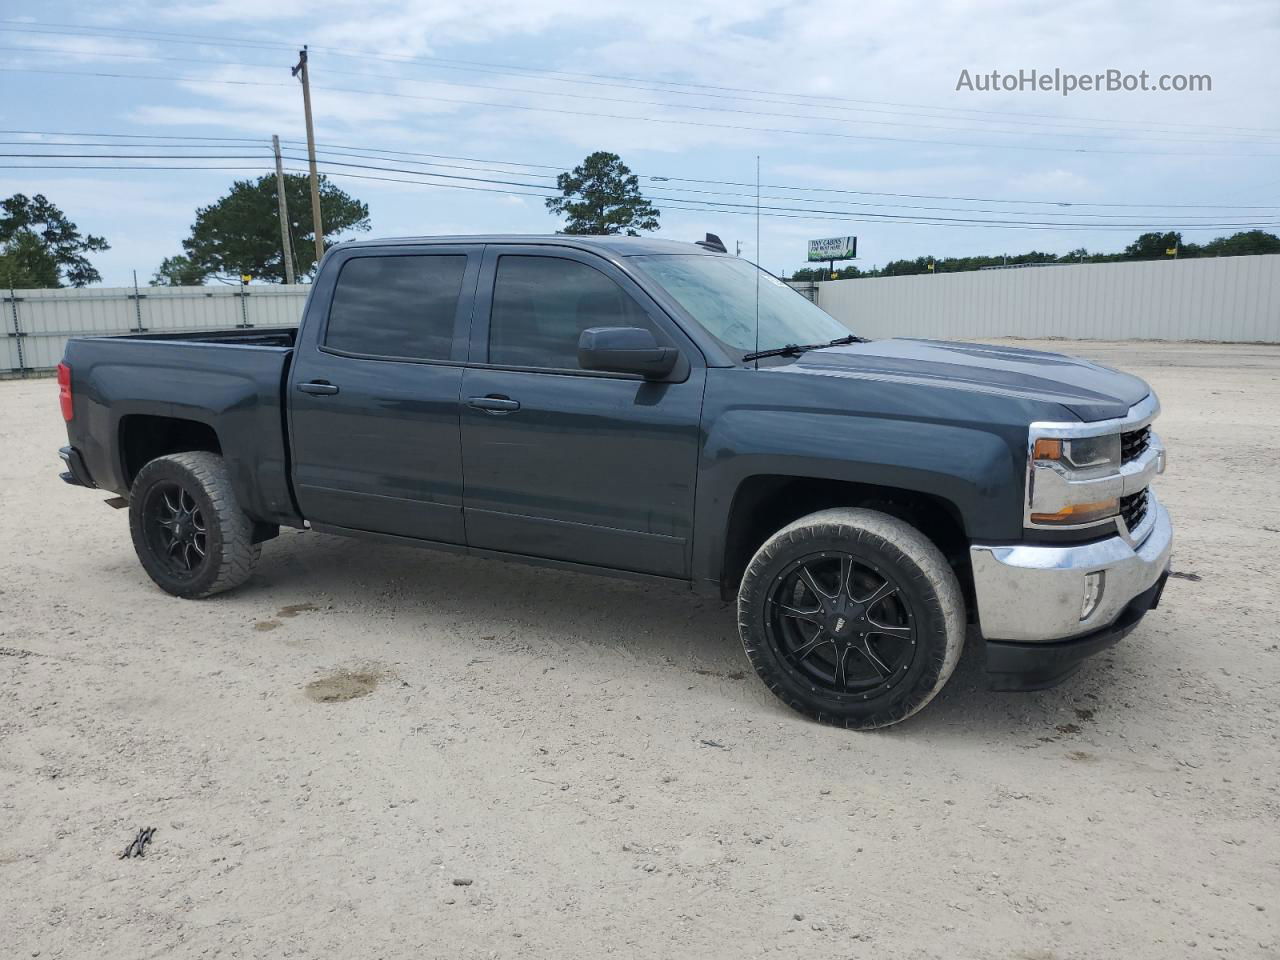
(542, 304)
(396, 306)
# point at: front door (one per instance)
(373, 394)
(560, 462)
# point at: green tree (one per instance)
(906, 268)
(25, 264)
(40, 247)
(602, 196)
(1242, 244)
(1149, 246)
(240, 233)
(177, 271)
(1153, 246)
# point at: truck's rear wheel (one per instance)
(188, 529)
(851, 617)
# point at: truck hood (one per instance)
(1089, 390)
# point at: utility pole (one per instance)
(137, 304)
(301, 69)
(283, 206)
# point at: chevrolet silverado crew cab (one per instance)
(656, 409)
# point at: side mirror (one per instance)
(625, 350)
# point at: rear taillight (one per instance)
(64, 391)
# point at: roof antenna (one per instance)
(758, 268)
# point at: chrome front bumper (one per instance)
(1035, 593)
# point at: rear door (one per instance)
(564, 463)
(374, 391)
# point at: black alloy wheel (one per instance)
(852, 617)
(188, 529)
(175, 529)
(841, 624)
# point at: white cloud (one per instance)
(76, 48)
(878, 71)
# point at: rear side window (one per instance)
(541, 305)
(396, 306)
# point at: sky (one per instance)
(854, 114)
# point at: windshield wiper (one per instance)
(795, 349)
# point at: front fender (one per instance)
(974, 468)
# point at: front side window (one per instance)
(393, 306)
(541, 305)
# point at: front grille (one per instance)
(1133, 509)
(1134, 443)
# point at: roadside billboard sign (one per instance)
(833, 248)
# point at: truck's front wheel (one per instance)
(188, 529)
(852, 617)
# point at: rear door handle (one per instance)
(319, 388)
(494, 404)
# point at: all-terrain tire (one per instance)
(226, 532)
(926, 600)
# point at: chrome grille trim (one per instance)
(1134, 443)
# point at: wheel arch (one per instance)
(143, 437)
(764, 503)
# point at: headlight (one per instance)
(1082, 457)
(1068, 480)
(1080, 472)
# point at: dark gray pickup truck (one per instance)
(655, 409)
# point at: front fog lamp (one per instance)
(1093, 583)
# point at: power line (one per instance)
(130, 136)
(675, 87)
(108, 143)
(676, 205)
(638, 119)
(381, 154)
(661, 191)
(261, 140)
(869, 217)
(1108, 135)
(736, 183)
(137, 156)
(774, 215)
(662, 194)
(156, 166)
(934, 196)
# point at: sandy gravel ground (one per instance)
(541, 764)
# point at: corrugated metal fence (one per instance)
(37, 323)
(1235, 299)
(1225, 299)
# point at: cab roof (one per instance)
(616, 246)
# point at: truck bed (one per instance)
(229, 381)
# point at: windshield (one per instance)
(720, 294)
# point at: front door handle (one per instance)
(494, 404)
(319, 388)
